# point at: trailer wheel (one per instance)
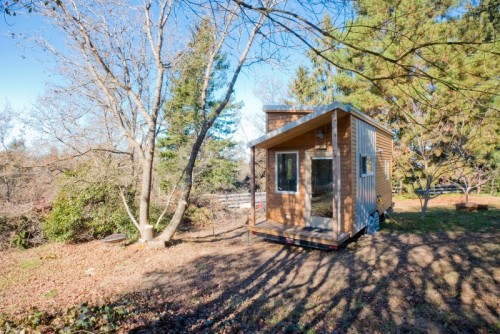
(373, 223)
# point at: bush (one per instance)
(87, 208)
(203, 216)
(21, 231)
(82, 318)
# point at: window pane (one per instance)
(369, 165)
(366, 165)
(363, 165)
(287, 172)
(322, 188)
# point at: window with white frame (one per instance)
(287, 172)
(366, 165)
(387, 170)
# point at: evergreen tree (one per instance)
(426, 97)
(216, 167)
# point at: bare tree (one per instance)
(431, 150)
(226, 20)
(270, 89)
(478, 145)
(471, 177)
(120, 55)
(6, 123)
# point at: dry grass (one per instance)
(393, 281)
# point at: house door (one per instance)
(366, 198)
(319, 201)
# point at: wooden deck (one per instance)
(305, 236)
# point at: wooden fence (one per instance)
(242, 200)
(440, 189)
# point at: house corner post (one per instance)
(252, 187)
(336, 212)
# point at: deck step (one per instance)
(297, 234)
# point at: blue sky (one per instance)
(25, 70)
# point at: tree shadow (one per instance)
(441, 282)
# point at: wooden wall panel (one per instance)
(350, 228)
(275, 120)
(344, 144)
(279, 206)
(384, 153)
(285, 208)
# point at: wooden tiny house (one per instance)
(328, 173)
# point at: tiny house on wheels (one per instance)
(328, 174)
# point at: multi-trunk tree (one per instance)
(125, 58)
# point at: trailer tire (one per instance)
(373, 223)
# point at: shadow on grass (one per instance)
(428, 283)
(442, 220)
(399, 282)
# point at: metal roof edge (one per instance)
(374, 122)
(318, 110)
(287, 127)
(302, 107)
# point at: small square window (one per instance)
(366, 165)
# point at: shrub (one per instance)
(86, 208)
(82, 318)
(201, 215)
(21, 230)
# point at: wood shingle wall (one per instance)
(384, 186)
(275, 120)
(290, 208)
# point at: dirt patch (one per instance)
(223, 281)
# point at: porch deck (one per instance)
(299, 235)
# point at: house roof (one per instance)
(319, 115)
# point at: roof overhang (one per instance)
(318, 116)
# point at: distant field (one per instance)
(442, 215)
(433, 276)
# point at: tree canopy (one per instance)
(428, 70)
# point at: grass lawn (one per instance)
(440, 275)
(442, 216)
(442, 219)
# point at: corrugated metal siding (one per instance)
(366, 198)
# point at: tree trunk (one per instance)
(426, 197)
(147, 176)
(467, 196)
(168, 233)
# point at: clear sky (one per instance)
(25, 70)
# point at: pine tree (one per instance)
(216, 166)
(438, 99)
